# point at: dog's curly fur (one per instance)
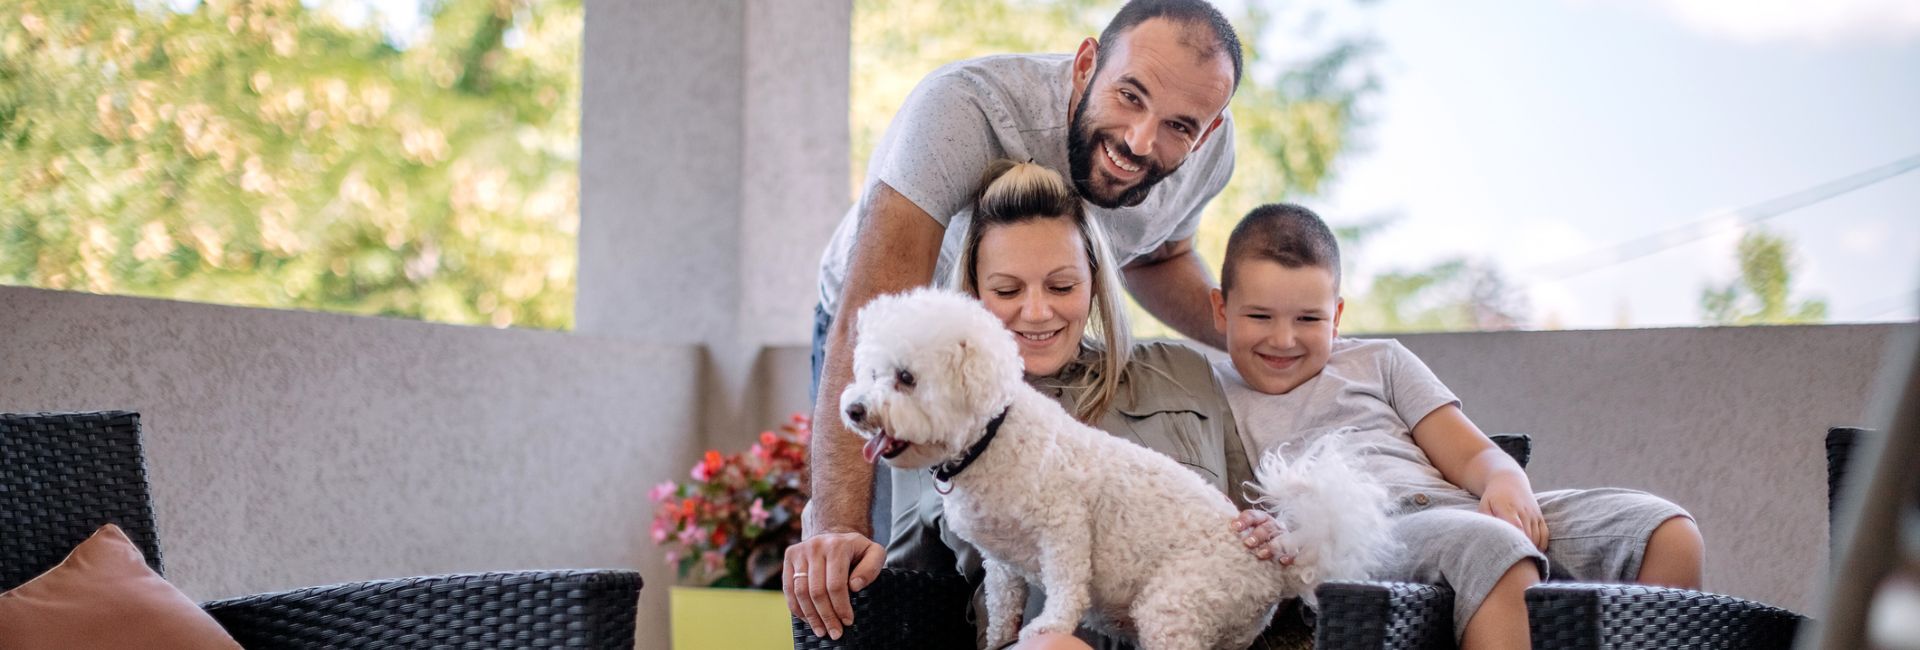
(1119, 536)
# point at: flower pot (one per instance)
(729, 619)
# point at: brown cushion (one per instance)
(104, 596)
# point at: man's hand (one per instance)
(821, 571)
(1511, 500)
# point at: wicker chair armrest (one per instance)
(902, 609)
(1629, 617)
(1383, 615)
(547, 609)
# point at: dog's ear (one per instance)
(980, 369)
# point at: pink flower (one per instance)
(673, 557)
(757, 513)
(709, 464)
(662, 491)
(714, 560)
(659, 531)
(692, 535)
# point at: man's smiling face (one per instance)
(1151, 100)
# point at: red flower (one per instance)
(708, 465)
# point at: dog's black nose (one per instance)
(856, 412)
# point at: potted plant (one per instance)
(726, 533)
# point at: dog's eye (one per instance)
(904, 378)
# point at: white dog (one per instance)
(1116, 534)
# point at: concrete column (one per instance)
(714, 164)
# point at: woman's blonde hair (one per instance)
(1014, 193)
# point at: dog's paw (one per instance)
(1002, 632)
(1043, 625)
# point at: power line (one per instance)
(1700, 229)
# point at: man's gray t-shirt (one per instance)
(1375, 388)
(967, 114)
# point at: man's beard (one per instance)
(1081, 148)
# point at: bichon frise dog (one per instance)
(1119, 536)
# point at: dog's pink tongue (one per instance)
(873, 447)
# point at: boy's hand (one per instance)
(1260, 533)
(1513, 502)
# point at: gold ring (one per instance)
(799, 574)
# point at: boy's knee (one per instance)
(1678, 535)
(1522, 574)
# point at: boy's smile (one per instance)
(1278, 362)
(1279, 322)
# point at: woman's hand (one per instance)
(1260, 533)
(1510, 499)
(821, 570)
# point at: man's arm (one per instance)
(894, 250)
(1173, 284)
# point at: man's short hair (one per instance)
(1197, 13)
(1285, 233)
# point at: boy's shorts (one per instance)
(1593, 535)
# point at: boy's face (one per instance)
(1279, 323)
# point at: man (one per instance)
(1137, 118)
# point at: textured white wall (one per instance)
(1728, 422)
(289, 449)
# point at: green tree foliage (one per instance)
(1455, 294)
(259, 152)
(1292, 121)
(1762, 293)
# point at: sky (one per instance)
(1537, 134)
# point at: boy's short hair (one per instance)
(1291, 235)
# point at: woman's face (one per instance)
(1036, 277)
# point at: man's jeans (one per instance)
(822, 323)
(882, 513)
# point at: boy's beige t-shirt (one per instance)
(1375, 387)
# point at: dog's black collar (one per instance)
(945, 472)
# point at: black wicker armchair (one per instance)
(921, 610)
(64, 475)
(1577, 616)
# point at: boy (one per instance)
(1468, 515)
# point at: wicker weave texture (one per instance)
(1383, 615)
(531, 609)
(62, 476)
(902, 609)
(1576, 616)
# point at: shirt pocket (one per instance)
(1178, 431)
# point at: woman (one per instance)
(1037, 262)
